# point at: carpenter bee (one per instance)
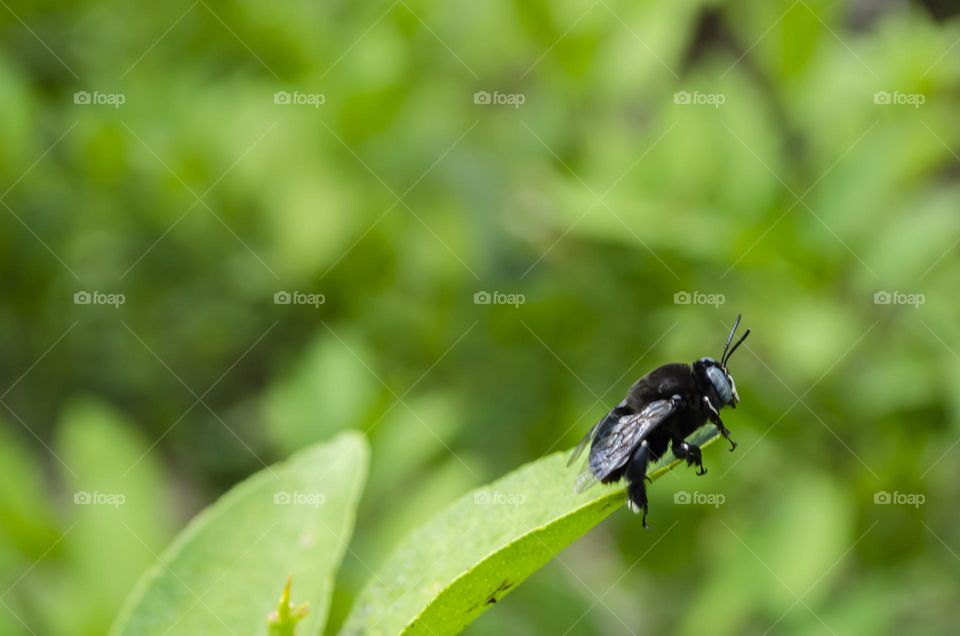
(661, 409)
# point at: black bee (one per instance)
(661, 409)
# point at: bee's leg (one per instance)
(636, 472)
(715, 418)
(726, 434)
(689, 452)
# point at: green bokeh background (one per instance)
(795, 202)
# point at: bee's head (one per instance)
(714, 375)
(716, 379)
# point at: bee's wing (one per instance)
(586, 439)
(585, 479)
(613, 447)
(615, 414)
(583, 443)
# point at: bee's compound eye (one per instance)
(721, 384)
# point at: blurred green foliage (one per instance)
(599, 198)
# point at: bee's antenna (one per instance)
(742, 338)
(736, 323)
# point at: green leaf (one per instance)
(222, 573)
(447, 573)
